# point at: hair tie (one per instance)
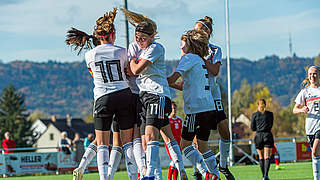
(204, 24)
(317, 67)
(105, 35)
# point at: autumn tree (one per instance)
(37, 114)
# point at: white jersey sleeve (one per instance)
(186, 63)
(133, 52)
(196, 91)
(153, 78)
(310, 97)
(300, 99)
(152, 53)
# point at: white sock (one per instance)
(176, 155)
(157, 171)
(172, 164)
(224, 148)
(210, 161)
(139, 154)
(87, 157)
(152, 155)
(130, 161)
(115, 157)
(196, 159)
(316, 167)
(103, 161)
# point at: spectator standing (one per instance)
(88, 140)
(8, 143)
(64, 144)
(78, 147)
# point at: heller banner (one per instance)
(30, 163)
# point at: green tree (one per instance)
(13, 118)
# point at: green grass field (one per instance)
(290, 171)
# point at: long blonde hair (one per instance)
(197, 42)
(103, 29)
(137, 19)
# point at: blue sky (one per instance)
(36, 29)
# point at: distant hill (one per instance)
(66, 88)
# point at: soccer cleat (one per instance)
(277, 168)
(266, 178)
(211, 177)
(183, 175)
(226, 173)
(77, 174)
(197, 176)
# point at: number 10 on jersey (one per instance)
(112, 69)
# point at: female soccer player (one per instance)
(308, 101)
(213, 63)
(106, 62)
(154, 93)
(262, 122)
(198, 104)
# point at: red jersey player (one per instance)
(8, 143)
(176, 127)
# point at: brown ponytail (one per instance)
(104, 27)
(79, 39)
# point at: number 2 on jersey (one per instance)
(111, 66)
(316, 106)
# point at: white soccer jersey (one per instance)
(133, 51)
(214, 56)
(196, 91)
(107, 64)
(153, 79)
(311, 98)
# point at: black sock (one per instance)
(266, 166)
(261, 163)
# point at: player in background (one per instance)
(154, 94)
(107, 63)
(262, 122)
(213, 63)
(308, 101)
(198, 104)
(176, 127)
(276, 156)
